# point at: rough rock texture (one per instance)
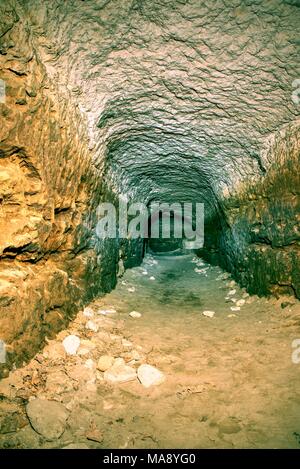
(148, 375)
(48, 264)
(158, 101)
(47, 417)
(258, 238)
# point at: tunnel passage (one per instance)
(157, 242)
(181, 100)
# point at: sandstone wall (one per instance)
(257, 236)
(49, 265)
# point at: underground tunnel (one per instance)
(127, 341)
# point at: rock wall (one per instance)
(258, 237)
(50, 263)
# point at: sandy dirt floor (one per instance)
(228, 380)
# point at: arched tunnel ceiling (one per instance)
(176, 94)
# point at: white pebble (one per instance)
(209, 314)
(150, 376)
(200, 271)
(235, 308)
(92, 326)
(71, 344)
(135, 314)
(126, 343)
(90, 364)
(240, 302)
(232, 292)
(131, 289)
(88, 312)
(106, 312)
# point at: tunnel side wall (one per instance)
(51, 262)
(258, 234)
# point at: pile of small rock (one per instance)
(231, 295)
(92, 352)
